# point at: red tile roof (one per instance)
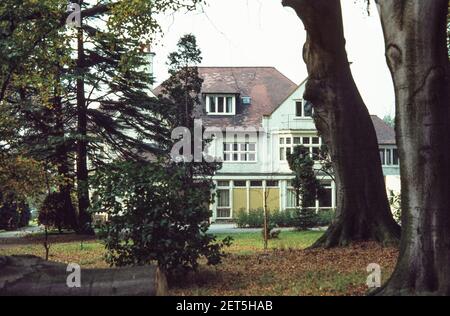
(266, 86)
(385, 133)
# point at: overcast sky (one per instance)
(264, 33)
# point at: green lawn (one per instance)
(249, 243)
(285, 269)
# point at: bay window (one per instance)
(287, 144)
(239, 152)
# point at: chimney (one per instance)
(149, 56)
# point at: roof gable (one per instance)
(266, 86)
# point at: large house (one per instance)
(262, 116)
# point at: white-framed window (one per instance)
(223, 199)
(389, 156)
(220, 104)
(324, 199)
(239, 152)
(303, 108)
(288, 142)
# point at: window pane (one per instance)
(395, 156)
(288, 140)
(311, 203)
(220, 105)
(223, 183)
(305, 140)
(281, 140)
(243, 147)
(291, 200)
(315, 140)
(388, 157)
(282, 154)
(212, 104)
(226, 146)
(315, 153)
(382, 156)
(227, 157)
(243, 157)
(251, 157)
(229, 105)
(223, 198)
(235, 157)
(308, 110)
(288, 151)
(252, 147)
(223, 212)
(298, 108)
(297, 140)
(256, 183)
(325, 198)
(235, 147)
(240, 183)
(272, 183)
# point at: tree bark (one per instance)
(32, 276)
(344, 123)
(84, 218)
(416, 53)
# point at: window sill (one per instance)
(302, 118)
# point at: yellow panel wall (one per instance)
(256, 198)
(239, 199)
(273, 199)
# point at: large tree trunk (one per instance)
(416, 53)
(345, 125)
(84, 218)
(33, 276)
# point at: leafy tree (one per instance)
(362, 210)
(307, 187)
(14, 211)
(389, 120)
(81, 95)
(159, 209)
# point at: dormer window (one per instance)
(220, 104)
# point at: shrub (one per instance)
(25, 215)
(255, 218)
(54, 212)
(14, 213)
(154, 216)
(325, 217)
(285, 218)
(306, 218)
(396, 207)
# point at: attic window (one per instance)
(303, 108)
(220, 104)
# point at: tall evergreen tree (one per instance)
(98, 89)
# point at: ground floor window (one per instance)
(291, 199)
(324, 199)
(223, 198)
